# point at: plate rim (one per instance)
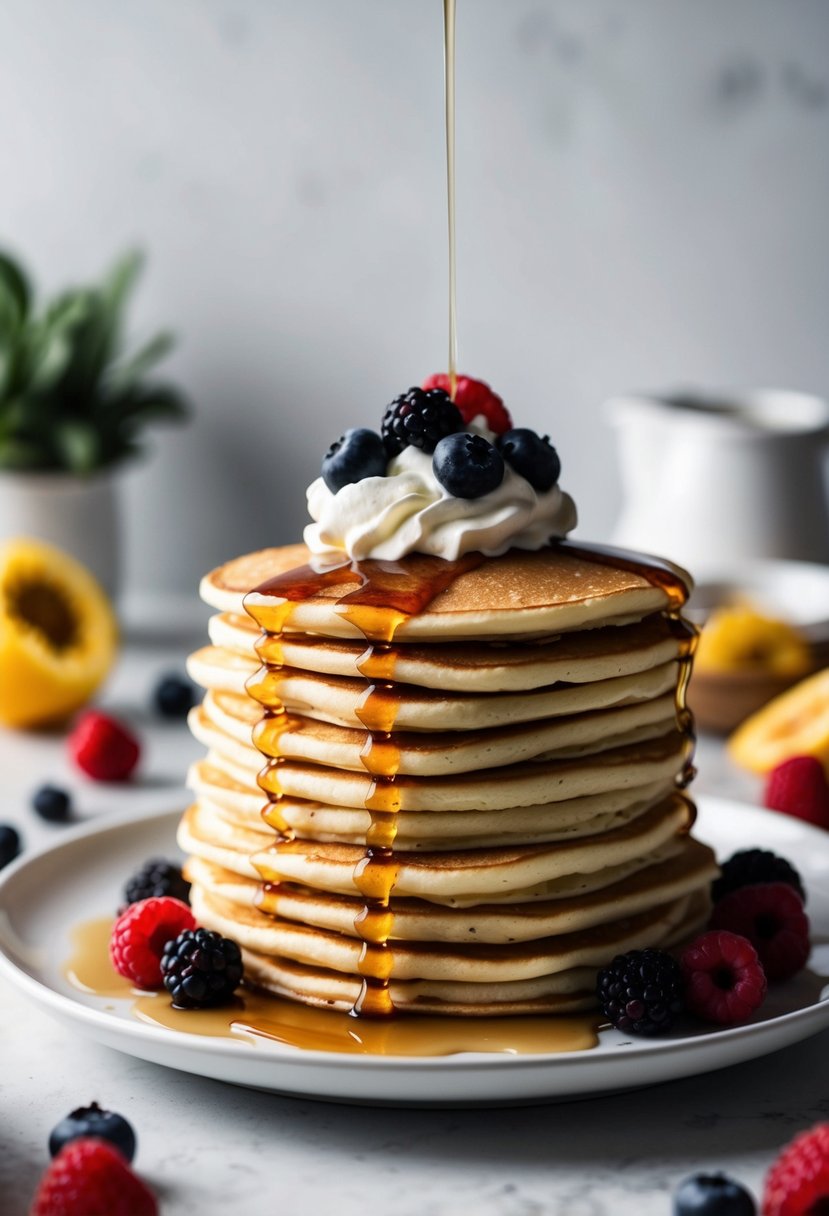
(65, 1005)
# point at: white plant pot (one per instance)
(77, 514)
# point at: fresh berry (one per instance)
(468, 466)
(52, 803)
(92, 1121)
(90, 1178)
(712, 1195)
(724, 979)
(9, 844)
(140, 935)
(751, 866)
(102, 747)
(641, 992)
(473, 398)
(799, 787)
(771, 916)
(357, 454)
(798, 1182)
(534, 458)
(201, 968)
(419, 418)
(174, 696)
(156, 878)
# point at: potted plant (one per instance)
(73, 407)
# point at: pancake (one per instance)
(520, 594)
(678, 869)
(443, 786)
(621, 768)
(455, 962)
(464, 667)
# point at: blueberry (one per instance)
(9, 844)
(534, 458)
(92, 1121)
(52, 804)
(468, 466)
(357, 454)
(712, 1195)
(174, 696)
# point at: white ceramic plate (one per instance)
(46, 893)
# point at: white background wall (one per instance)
(643, 200)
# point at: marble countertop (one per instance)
(209, 1148)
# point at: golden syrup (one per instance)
(88, 967)
(449, 100)
(384, 596)
(252, 1016)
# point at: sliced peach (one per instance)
(794, 724)
(58, 635)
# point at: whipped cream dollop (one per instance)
(408, 511)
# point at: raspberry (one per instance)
(724, 980)
(751, 866)
(799, 787)
(474, 397)
(102, 747)
(420, 419)
(798, 1182)
(156, 877)
(140, 934)
(201, 969)
(640, 991)
(91, 1177)
(771, 916)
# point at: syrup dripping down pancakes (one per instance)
(474, 775)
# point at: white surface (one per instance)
(642, 198)
(44, 896)
(207, 1147)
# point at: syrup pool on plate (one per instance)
(251, 1016)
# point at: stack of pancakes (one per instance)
(472, 819)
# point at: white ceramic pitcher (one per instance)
(709, 480)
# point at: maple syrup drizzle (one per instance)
(252, 1016)
(385, 595)
(449, 105)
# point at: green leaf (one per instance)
(78, 445)
(127, 374)
(14, 283)
(153, 403)
(19, 454)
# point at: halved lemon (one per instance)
(58, 634)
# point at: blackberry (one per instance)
(532, 456)
(468, 466)
(155, 879)
(357, 454)
(712, 1195)
(9, 844)
(92, 1121)
(52, 804)
(420, 418)
(752, 866)
(201, 968)
(641, 992)
(174, 696)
